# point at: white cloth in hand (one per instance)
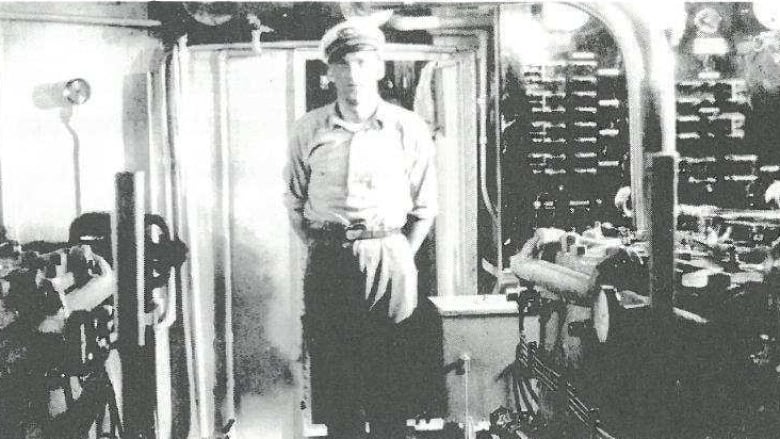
(389, 267)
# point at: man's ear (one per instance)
(329, 73)
(381, 69)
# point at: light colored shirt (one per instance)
(374, 173)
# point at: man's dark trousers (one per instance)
(358, 356)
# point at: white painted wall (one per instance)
(266, 326)
(37, 161)
(267, 303)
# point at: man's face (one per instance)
(356, 74)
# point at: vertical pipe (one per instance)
(498, 218)
(228, 405)
(186, 221)
(168, 117)
(3, 84)
(659, 139)
(76, 161)
(157, 178)
(200, 342)
(152, 142)
(168, 177)
(482, 105)
(179, 223)
(650, 84)
(164, 385)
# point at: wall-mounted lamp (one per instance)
(76, 91)
(61, 94)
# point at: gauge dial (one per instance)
(707, 20)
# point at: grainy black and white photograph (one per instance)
(390, 220)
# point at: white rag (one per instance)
(389, 262)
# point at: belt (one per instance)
(341, 233)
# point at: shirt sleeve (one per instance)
(423, 185)
(296, 178)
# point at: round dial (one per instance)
(76, 91)
(767, 13)
(707, 20)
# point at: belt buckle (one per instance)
(354, 231)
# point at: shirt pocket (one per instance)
(328, 164)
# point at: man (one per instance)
(361, 192)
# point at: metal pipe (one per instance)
(482, 102)
(151, 143)
(2, 81)
(625, 36)
(404, 24)
(179, 223)
(659, 137)
(169, 180)
(204, 398)
(249, 49)
(482, 121)
(194, 368)
(169, 316)
(482, 78)
(226, 244)
(660, 81)
(650, 85)
(164, 386)
(162, 350)
(498, 207)
(83, 20)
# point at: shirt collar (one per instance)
(377, 121)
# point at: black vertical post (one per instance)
(135, 344)
(661, 371)
(662, 218)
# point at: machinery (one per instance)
(71, 360)
(710, 371)
(658, 321)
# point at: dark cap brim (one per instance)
(337, 54)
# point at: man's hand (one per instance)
(299, 227)
(418, 230)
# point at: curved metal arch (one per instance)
(650, 86)
(652, 135)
